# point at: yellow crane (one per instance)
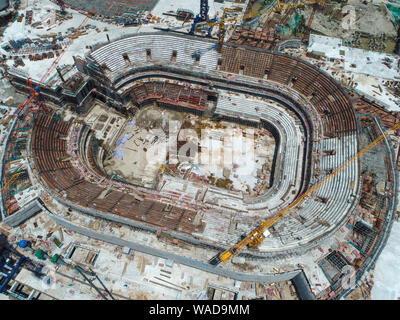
(256, 236)
(221, 33)
(165, 168)
(10, 182)
(285, 6)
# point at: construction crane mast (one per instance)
(204, 9)
(257, 236)
(221, 33)
(221, 25)
(201, 17)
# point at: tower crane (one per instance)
(202, 18)
(221, 33)
(36, 92)
(257, 235)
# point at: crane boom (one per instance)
(10, 182)
(22, 108)
(55, 62)
(202, 16)
(256, 236)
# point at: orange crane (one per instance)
(11, 181)
(22, 108)
(31, 89)
(36, 92)
(257, 235)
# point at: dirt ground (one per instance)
(141, 147)
(369, 18)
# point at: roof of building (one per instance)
(302, 286)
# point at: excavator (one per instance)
(257, 235)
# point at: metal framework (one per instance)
(204, 9)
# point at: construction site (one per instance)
(219, 153)
(198, 150)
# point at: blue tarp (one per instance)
(119, 153)
(121, 141)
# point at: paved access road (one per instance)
(240, 276)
